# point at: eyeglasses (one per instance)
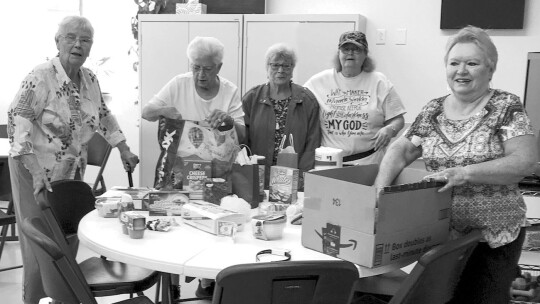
(72, 39)
(276, 66)
(205, 69)
(348, 49)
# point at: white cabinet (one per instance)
(162, 49)
(314, 38)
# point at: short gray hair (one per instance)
(205, 47)
(280, 50)
(74, 22)
(478, 36)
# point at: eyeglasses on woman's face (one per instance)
(277, 66)
(72, 39)
(351, 48)
(205, 69)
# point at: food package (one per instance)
(212, 218)
(283, 184)
(195, 172)
(166, 203)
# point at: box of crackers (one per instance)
(283, 184)
(195, 172)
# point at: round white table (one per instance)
(188, 251)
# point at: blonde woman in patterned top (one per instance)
(480, 142)
(55, 113)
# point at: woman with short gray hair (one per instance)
(280, 108)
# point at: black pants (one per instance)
(489, 273)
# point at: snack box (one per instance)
(195, 172)
(283, 184)
(343, 218)
(166, 203)
(212, 218)
(137, 194)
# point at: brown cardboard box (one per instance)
(341, 217)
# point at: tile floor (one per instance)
(10, 281)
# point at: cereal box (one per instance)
(195, 172)
(283, 184)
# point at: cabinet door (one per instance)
(314, 38)
(163, 40)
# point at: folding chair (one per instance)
(98, 155)
(289, 282)
(7, 218)
(432, 280)
(62, 279)
(62, 211)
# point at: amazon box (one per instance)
(342, 217)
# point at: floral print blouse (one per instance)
(54, 119)
(497, 210)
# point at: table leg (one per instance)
(165, 288)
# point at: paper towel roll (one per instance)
(328, 158)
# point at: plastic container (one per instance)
(107, 206)
(268, 227)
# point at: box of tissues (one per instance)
(192, 7)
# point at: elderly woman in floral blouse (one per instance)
(480, 142)
(55, 113)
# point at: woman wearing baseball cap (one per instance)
(360, 111)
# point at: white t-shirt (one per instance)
(180, 92)
(353, 109)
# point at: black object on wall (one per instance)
(487, 14)
(234, 6)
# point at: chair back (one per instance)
(3, 131)
(62, 278)
(289, 282)
(63, 209)
(68, 203)
(98, 155)
(435, 276)
(5, 181)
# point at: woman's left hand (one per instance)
(129, 159)
(452, 176)
(219, 118)
(383, 137)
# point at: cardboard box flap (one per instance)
(364, 175)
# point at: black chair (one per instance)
(62, 279)
(98, 155)
(7, 217)
(3, 131)
(432, 280)
(62, 211)
(289, 282)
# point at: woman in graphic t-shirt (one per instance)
(360, 111)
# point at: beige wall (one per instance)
(417, 69)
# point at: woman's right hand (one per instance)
(40, 181)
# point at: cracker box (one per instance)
(195, 172)
(212, 218)
(342, 218)
(166, 203)
(283, 184)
